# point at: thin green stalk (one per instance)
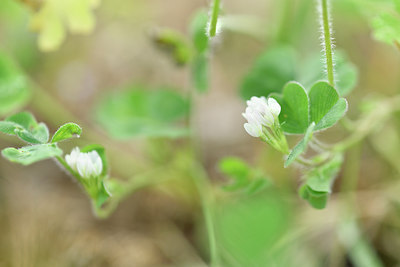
(214, 18)
(205, 194)
(327, 38)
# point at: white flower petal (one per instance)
(274, 107)
(253, 129)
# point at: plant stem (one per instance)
(205, 194)
(214, 18)
(327, 37)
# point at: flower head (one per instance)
(86, 164)
(262, 121)
(260, 111)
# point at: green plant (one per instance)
(291, 104)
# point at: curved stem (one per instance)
(327, 38)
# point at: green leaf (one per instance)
(271, 71)
(397, 5)
(24, 119)
(333, 115)
(244, 178)
(66, 131)
(31, 154)
(325, 106)
(322, 98)
(317, 200)
(257, 186)
(237, 170)
(249, 226)
(138, 112)
(37, 135)
(8, 127)
(14, 89)
(320, 105)
(175, 45)
(198, 31)
(387, 28)
(301, 146)
(294, 116)
(200, 73)
(25, 126)
(102, 195)
(318, 182)
(102, 153)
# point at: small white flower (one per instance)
(268, 110)
(260, 111)
(86, 164)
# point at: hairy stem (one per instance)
(327, 40)
(214, 18)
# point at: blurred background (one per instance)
(46, 219)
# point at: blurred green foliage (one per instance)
(244, 178)
(249, 226)
(139, 112)
(14, 87)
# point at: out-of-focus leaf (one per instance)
(301, 146)
(200, 73)
(198, 31)
(31, 154)
(271, 71)
(346, 73)
(248, 227)
(387, 28)
(25, 126)
(237, 170)
(175, 44)
(244, 177)
(66, 131)
(147, 113)
(54, 17)
(318, 182)
(14, 90)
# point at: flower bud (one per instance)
(87, 165)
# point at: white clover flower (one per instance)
(86, 164)
(267, 110)
(260, 111)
